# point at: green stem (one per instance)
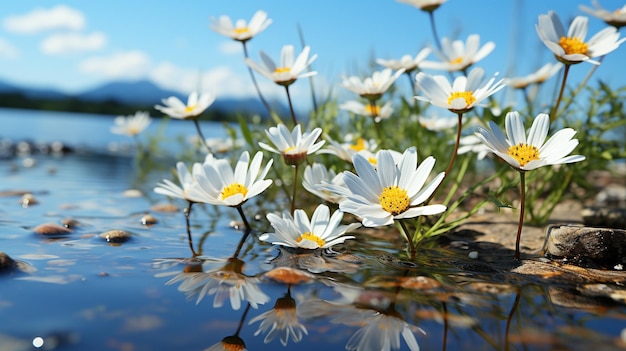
(433, 28)
(241, 241)
(412, 250)
(583, 83)
(195, 121)
(243, 217)
(521, 213)
(518, 296)
(295, 189)
(256, 85)
(555, 110)
(529, 103)
(293, 114)
(187, 212)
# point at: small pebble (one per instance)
(149, 220)
(473, 255)
(69, 223)
(28, 162)
(51, 229)
(115, 236)
(164, 208)
(28, 200)
(132, 193)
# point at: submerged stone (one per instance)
(28, 200)
(587, 246)
(6, 261)
(149, 220)
(69, 223)
(164, 208)
(51, 229)
(115, 236)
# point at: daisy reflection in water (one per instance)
(281, 321)
(380, 324)
(225, 283)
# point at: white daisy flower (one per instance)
(437, 123)
(424, 5)
(390, 190)
(471, 143)
(218, 184)
(368, 110)
(194, 107)
(294, 145)
(241, 31)
(186, 180)
(458, 55)
(408, 62)
(528, 153)
(462, 95)
(131, 125)
(615, 18)
(289, 70)
(349, 147)
(537, 77)
(571, 47)
(316, 176)
(372, 88)
(321, 232)
(282, 321)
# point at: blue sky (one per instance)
(170, 42)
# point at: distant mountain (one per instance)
(141, 93)
(32, 92)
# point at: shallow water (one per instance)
(79, 292)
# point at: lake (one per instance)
(76, 291)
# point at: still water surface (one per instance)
(78, 292)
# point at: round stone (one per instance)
(51, 229)
(149, 220)
(6, 261)
(115, 236)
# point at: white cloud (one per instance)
(230, 47)
(39, 19)
(122, 65)
(7, 50)
(221, 81)
(73, 42)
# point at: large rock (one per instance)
(588, 246)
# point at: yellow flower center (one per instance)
(523, 153)
(233, 347)
(190, 108)
(233, 343)
(457, 60)
(373, 110)
(394, 200)
(312, 237)
(372, 160)
(360, 145)
(242, 30)
(282, 69)
(233, 189)
(573, 46)
(467, 95)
